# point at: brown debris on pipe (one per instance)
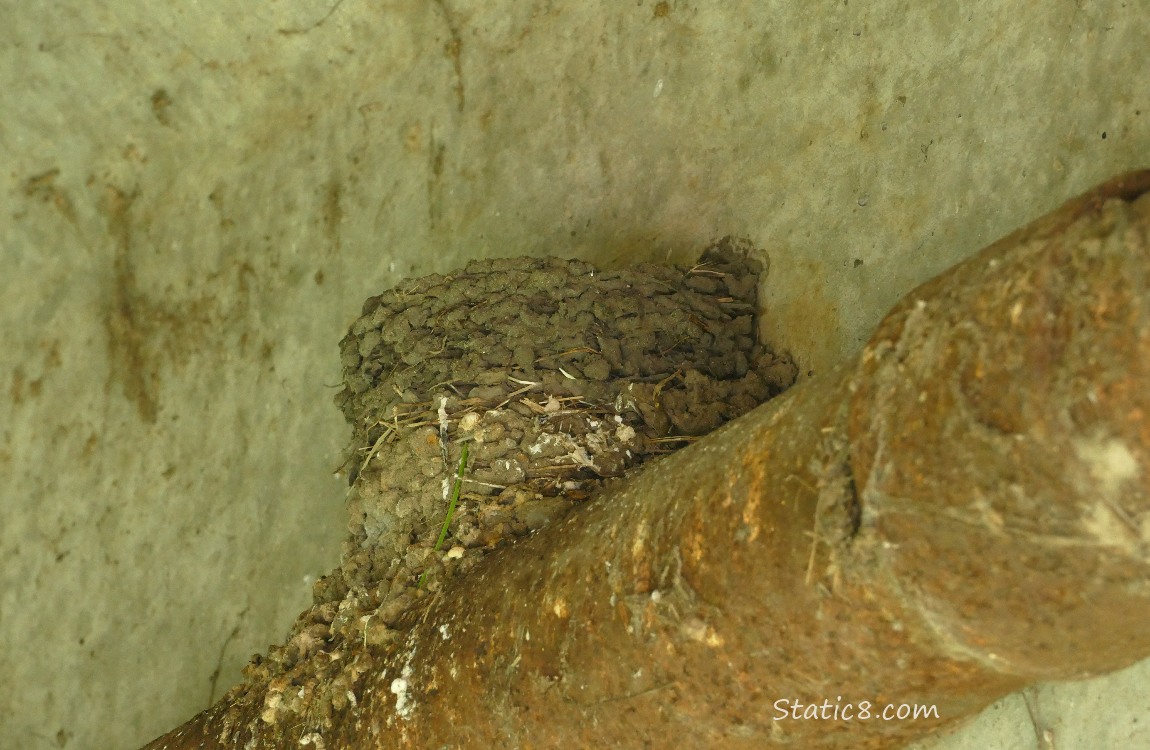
(962, 511)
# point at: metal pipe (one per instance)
(963, 510)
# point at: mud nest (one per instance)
(557, 377)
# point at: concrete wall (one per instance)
(198, 196)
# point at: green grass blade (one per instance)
(450, 508)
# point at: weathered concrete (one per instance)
(199, 197)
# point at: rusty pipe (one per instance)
(961, 511)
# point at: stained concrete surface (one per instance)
(199, 197)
